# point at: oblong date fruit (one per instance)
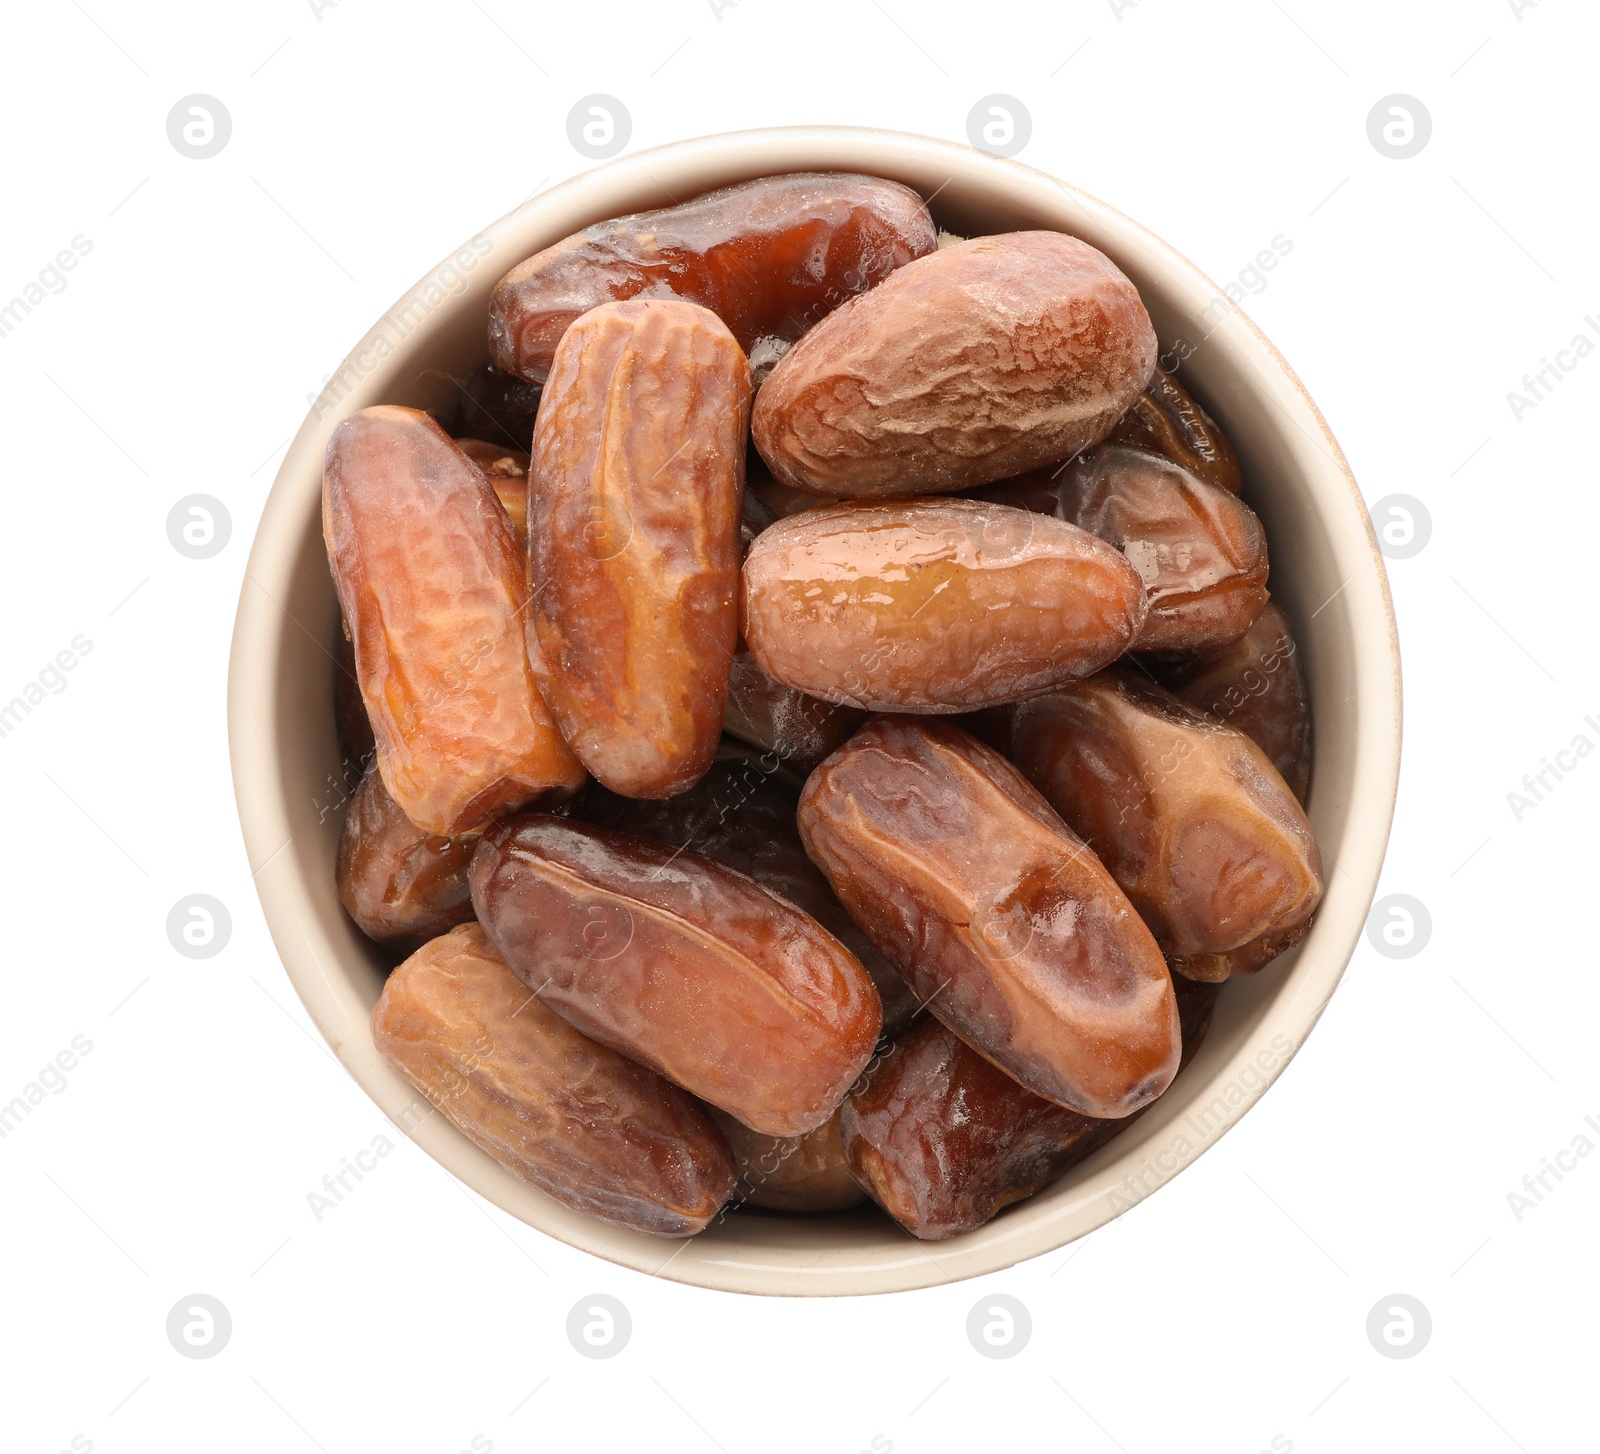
(933, 605)
(584, 1125)
(790, 1173)
(1005, 925)
(1255, 684)
(402, 886)
(1186, 812)
(739, 815)
(1165, 420)
(1200, 551)
(943, 1140)
(982, 360)
(688, 966)
(432, 586)
(633, 527)
(769, 257)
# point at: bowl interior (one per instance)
(292, 786)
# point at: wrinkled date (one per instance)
(1005, 925)
(943, 1140)
(1188, 814)
(768, 257)
(507, 472)
(581, 1123)
(983, 360)
(431, 583)
(1165, 420)
(933, 605)
(402, 886)
(1255, 684)
(791, 1173)
(633, 527)
(1200, 551)
(682, 963)
(738, 815)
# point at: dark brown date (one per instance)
(1165, 420)
(581, 1123)
(494, 405)
(682, 963)
(1255, 684)
(1003, 923)
(1199, 550)
(402, 886)
(790, 1173)
(943, 1140)
(769, 257)
(1186, 812)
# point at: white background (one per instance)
(1227, 1311)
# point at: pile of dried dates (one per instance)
(827, 735)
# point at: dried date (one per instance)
(980, 361)
(682, 963)
(933, 605)
(633, 528)
(1186, 812)
(769, 257)
(584, 1125)
(791, 1173)
(1165, 420)
(402, 886)
(432, 586)
(1005, 925)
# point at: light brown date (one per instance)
(791, 1173)
(740, 815)
(1200, 551)
(1255, 684)
(1165, 420)
(769, 257)
(633, 527)
(1187, 813)
(999, 918)
(933, 605)
(507, 472)
(943, 1140)
(682, 963)
(980, 361)
(402, 886)
(581, 1123)
(432, 586)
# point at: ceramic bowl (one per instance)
(1327, 575)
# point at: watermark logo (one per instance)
(199, 126)
(599, 126)
(199, 926)
(999, 125)
(1399, 126)
(999, 1326)
(199, 1326)
(1399, 926)
(199, 526)
(1399, 1326)
(599, 1326)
